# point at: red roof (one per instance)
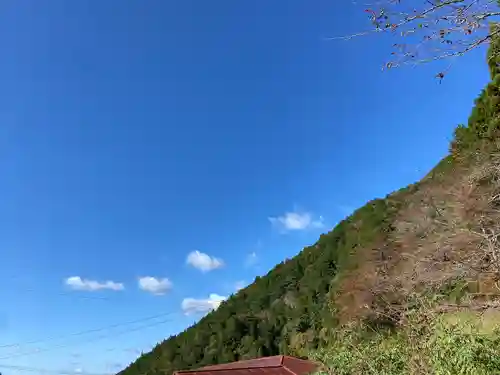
(276, 365)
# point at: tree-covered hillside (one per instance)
(423, 238)
(285, 311)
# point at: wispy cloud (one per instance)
(154, 285)
(203, 262)
(77, 283)
(296, 221)
(201, 306)
(114, 366)
(251, 259)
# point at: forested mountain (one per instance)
(422, 238)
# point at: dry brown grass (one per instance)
(447, 230)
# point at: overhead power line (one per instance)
(81, 333)
(15, 279)
(119, 333)
(47, 371)
(69, 294)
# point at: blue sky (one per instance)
(161, 153)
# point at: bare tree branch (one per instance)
(437, 30)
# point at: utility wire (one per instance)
(14, 279)
(22, 354)
(81, 333)
(78, 296)
(47, 371)
(69, 293)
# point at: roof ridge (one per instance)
(298, 359)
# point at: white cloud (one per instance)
(77, 283)
(154, 285)
(193, 305)
(296, 221)
(239, 285)
(203, 262)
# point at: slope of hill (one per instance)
(436, 238)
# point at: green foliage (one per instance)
(484, 121)
(352, 353)
(422, 346)
(455, 352)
